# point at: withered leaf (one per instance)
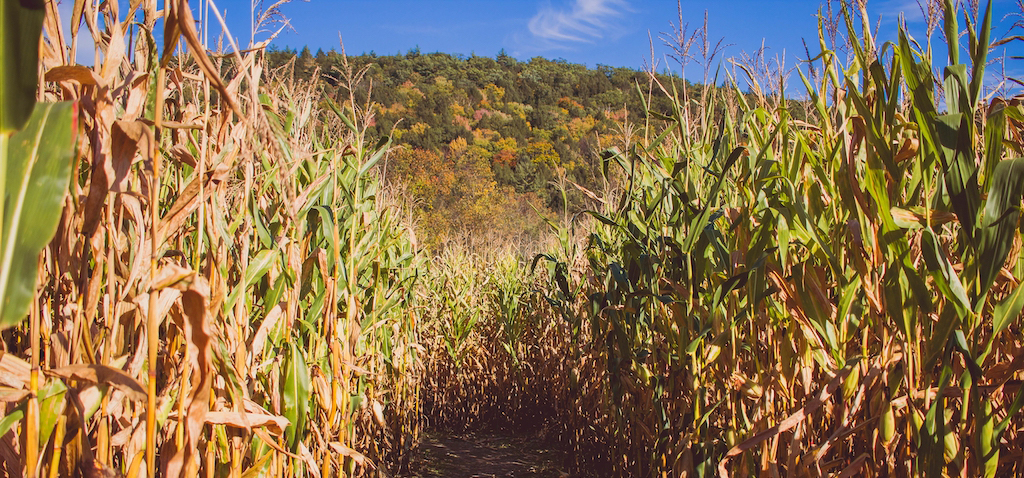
(127, 139)
(14, 372)
(275, 424)
(102, 374)
(357, 457)
(79, 73)
(179, 22)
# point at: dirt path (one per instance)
(486, 455)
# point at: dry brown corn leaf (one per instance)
(14, 372)
(908, 150)
(357, 457)
(907, 218)
(172, 275)
(102, 169)
(790, 421)
(76, 16)
(275, 424)
(128, 138)
(102, 374)
(81, 74)
(53, 51)
(181, 154)
(196, 323)
(259, 339)
(9, 395)
(135, 87)
(114, 54)
(188, 200)
(854, 469)
(179, 22)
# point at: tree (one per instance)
(305, 65)
(522, 123)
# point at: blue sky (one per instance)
(592, 32)
(609, 32)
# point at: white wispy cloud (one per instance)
(889, 11)
(582, 21)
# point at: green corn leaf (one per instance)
(383, 145)
(696, 229)
(784, 237)
(257, 268)
(892, 91)
(894, 300)
(951, 30)
(51, 407)
(1008, 311)
(849, 294)
(943, 273)
(295, 391)
(979, 54)
(601, 217)
(1002, 212)
(959, 170)
(341, 114)
(21, 24)
(957, 88)
(931, 455)
(995, 129)
(38, 169)
(12, 418)
(935, 343)
(259, 224)
(282, 282)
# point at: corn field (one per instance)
(204, 275)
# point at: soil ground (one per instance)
(486, 455)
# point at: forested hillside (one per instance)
(484, 142)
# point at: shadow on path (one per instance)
(486, 455)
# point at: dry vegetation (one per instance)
(223, 248)
(230, 290)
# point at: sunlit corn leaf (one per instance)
(978, 49)
(12, 418)
(38, 168)
(1008, 311)
(995, 131)
(51, 406)
(295, 388)
(943, 274)
(999, 226)
(959, 170)
(258, 267)
(103, 375)
(986, 438)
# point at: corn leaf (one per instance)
(21, 24)
(1007, 311)
(959, 170)
(51, 407)
(37, 170)
(295, 395)
(943, 273)
(1002, 212)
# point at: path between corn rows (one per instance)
(486, 455)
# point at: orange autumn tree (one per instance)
(458, 198)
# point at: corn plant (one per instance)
(228, 290)
(775, 283)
